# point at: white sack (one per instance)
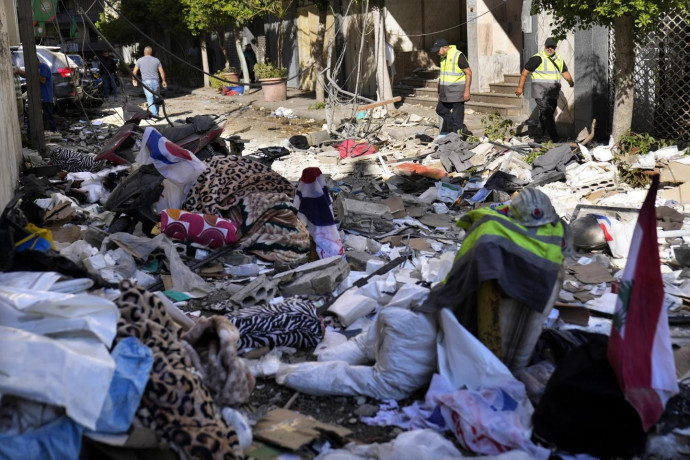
(402, 343)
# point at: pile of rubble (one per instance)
(169, 317)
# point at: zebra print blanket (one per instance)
(71, 161)
(292, 323)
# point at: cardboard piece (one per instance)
(680, 194)
(395, 203)
(675, 173)
(291, 430)
(60, 214)
(573, 314)
(594, 273)
(66, 234)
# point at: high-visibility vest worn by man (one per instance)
(546, 69)
(454, 84)
(520, 249)
(451, 81)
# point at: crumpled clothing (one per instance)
(351, 148)
(299, 142)
(176, 403)
(422, 170)
(210, 231)
(292, 323)
(316, 213)
(505, 182)
(213, 350)
(550, 167)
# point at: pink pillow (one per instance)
(205, 229)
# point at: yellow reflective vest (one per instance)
(525, 261)
(546, 79)
(451, 81)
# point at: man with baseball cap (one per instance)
(546, 69)
(453, 86)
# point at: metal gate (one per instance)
(662, 80)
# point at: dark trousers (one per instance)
(453, 115)
(109, 86)
(547, 109)
(48, 116)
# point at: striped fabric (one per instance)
(292, 323)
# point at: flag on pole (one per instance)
(640, 344)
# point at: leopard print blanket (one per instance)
(249, 193)
(176, 404)
(228, 179)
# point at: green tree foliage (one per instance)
(156, 17)
(571, 14)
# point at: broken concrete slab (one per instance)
(260, 291)
(313, 279)
(363, 216)
(358, 260)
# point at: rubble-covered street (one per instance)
(288, 293)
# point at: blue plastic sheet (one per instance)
(133, 361)
(57, 440)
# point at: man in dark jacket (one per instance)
(108, 69)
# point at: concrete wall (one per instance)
(494, 38)
(290, 46)
(11, 25)
(10, 141)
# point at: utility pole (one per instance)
(33, 89)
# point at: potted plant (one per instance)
(223, 79)
(273, 81)
(231, 74)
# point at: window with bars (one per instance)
(661, 79)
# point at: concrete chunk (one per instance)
(314, 279)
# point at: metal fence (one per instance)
(662, 80)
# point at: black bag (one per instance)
(583, 409)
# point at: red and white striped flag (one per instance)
(640, 344)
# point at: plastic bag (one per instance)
(47, 312)
(70, 373)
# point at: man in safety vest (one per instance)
(453, 86)
(546, 69)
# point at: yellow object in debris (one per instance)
(36, 234)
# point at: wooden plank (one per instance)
(373, 105)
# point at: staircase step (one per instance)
(511, 78)
(498, 98)
(503, 88)
(481, 107)
(419, 82)
(501, 109)
(421, 100)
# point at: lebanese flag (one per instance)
(640, 344)
(171, 160)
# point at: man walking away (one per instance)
(546, 68)
(45, 76)
(150, 68)
(108, 70)
(453, 86)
